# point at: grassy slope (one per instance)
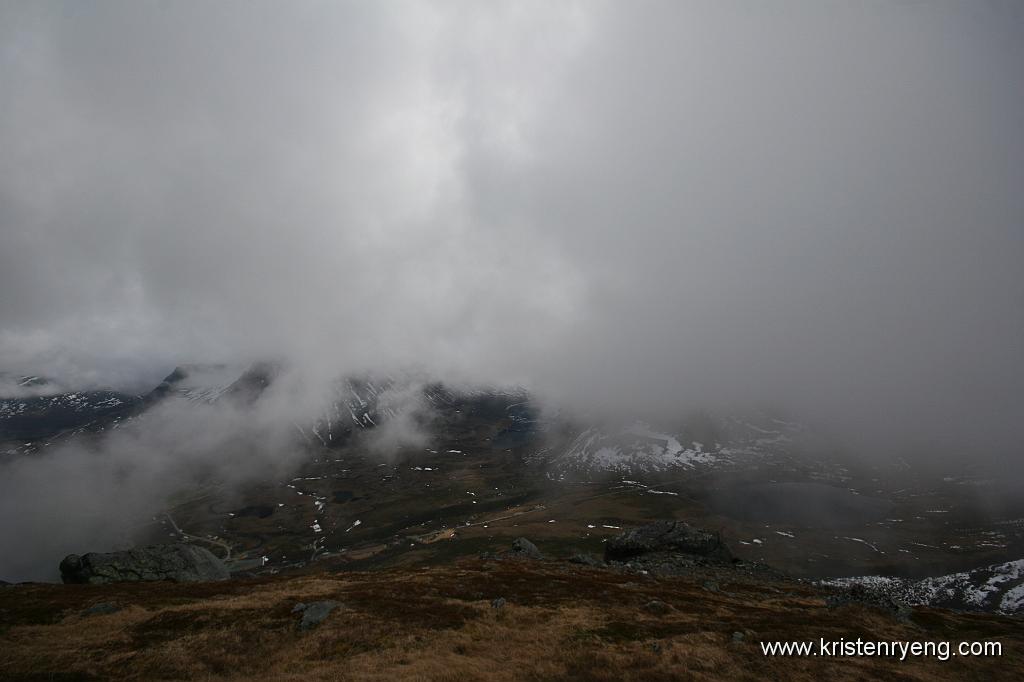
(562, 621)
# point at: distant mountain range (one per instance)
(495, 455)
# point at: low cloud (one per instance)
(656, 208)
(406, 418)
(96, 493)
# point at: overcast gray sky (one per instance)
(813, 204)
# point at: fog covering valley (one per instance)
(695, 260)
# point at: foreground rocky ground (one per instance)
(476, 619)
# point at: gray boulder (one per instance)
(666, 536)
(585, 560)
(524, 549)
(314, 613)
(176, 562)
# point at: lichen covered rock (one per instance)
(176, 562)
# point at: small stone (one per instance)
(710, 586)
(101, 609)
(657, 607)
(498, 603)
(737, 636)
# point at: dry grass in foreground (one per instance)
(561, 621)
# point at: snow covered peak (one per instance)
(637, 447)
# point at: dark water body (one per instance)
(811, 505)
(260, 511)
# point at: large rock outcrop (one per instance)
(666, 537)
(177, 562)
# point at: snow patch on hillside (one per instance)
(999, 587)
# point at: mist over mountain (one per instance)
(511, 340)
(686, 205)
(294, 280)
